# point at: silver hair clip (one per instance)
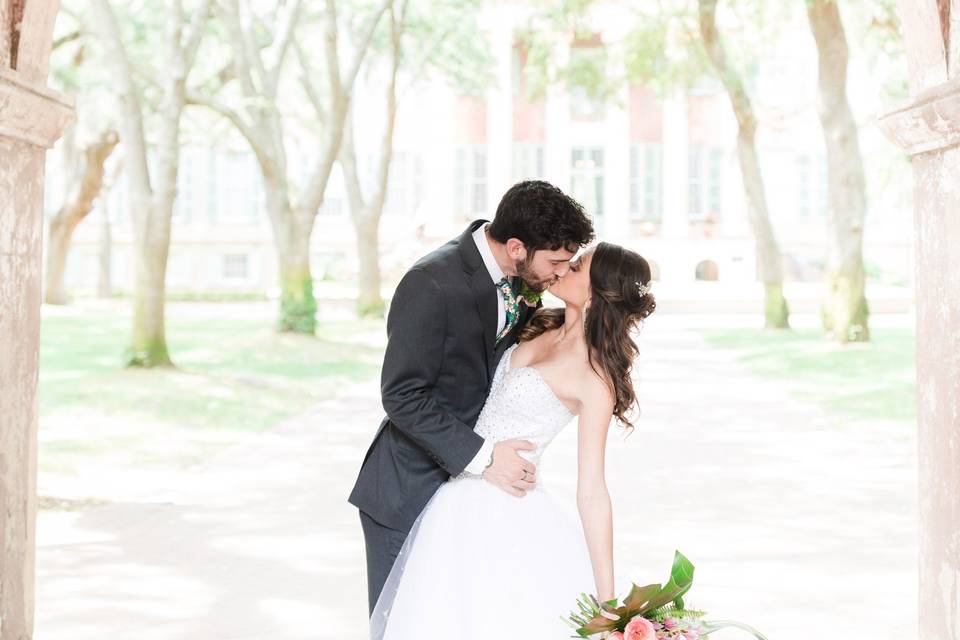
(643, 289)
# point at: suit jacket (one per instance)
(437, 369)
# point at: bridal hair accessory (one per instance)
(643, 289)
(653, 612)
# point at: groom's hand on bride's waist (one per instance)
(510, 471)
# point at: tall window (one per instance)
(237, 196)
(471, 179)
(403, 184)
(704, 180)
(527, 161)
(811, 185)
(586, 164)
(586, 100)
(646, 181)
(236, 266)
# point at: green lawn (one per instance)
(234, 375)
(868, 381)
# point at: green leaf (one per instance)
(532, 297)
(639, 597)
(599, 624)
(681, 579)
(641, 600)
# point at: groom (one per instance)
(453, 315)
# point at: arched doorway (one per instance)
(707, 270)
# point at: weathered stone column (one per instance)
(928, 129)
(31, 119)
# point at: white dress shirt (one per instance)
(479, 461)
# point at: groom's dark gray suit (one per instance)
(440, 358)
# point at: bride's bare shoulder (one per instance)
(594, 385)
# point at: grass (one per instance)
(875, 380)
(234, 375)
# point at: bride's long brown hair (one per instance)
(616, 307)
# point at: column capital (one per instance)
(929, 122)
(32, 113)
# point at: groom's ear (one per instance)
(516, 249)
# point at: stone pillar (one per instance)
(928, 129)
(31, 120)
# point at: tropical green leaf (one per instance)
(597, 625)
(681, 579)
(636, 602)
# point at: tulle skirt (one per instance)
(480, 563)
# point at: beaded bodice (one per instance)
(521, 405)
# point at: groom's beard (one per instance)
(533, 281)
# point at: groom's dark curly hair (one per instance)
(542, 217)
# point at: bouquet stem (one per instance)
(720, 624)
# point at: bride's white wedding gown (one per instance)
(480, 563)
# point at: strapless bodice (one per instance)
(521, 405)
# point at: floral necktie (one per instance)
(511, 305)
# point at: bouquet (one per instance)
(653, 612)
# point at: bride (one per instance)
(480, 563)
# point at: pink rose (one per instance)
(639, 628)
(616, 635)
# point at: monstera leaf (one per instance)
(638, 598)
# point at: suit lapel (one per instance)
(484, 291)
(485, 296)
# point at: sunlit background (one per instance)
(241, 192)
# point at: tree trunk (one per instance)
(298, 307)
(59, 232)
(77, 205)
(104, 286)
(769, 259)
(151, 201)
(259, 121)
(366, 213)
(291, 230)
(770, 263)
(369, 301)
(845, 311)
(148, 347)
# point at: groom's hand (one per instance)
(509, 467)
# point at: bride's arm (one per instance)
(593, 499)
